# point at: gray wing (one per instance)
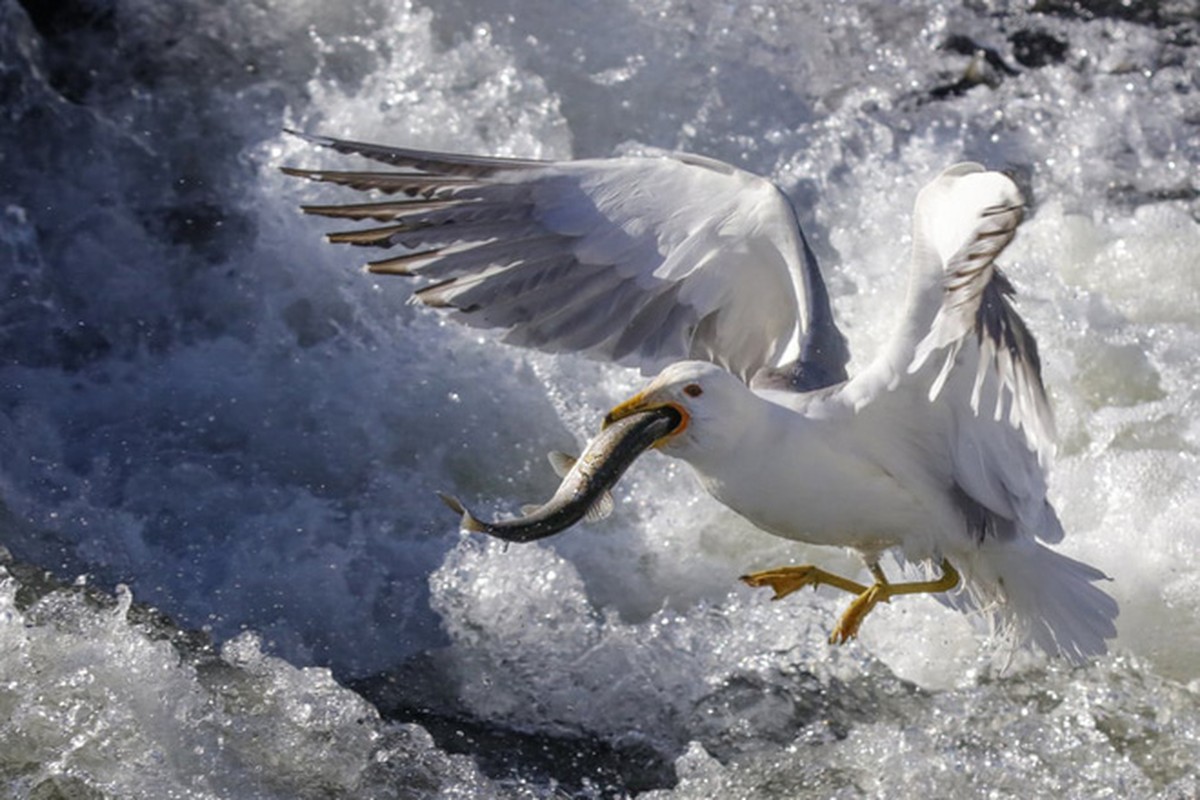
(963, 345)
(641, 261)
(965, 219)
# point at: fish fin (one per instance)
(561, 462)
(468, 522)
(600, 509)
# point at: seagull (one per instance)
(698, 272)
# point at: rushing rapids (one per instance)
(201, 403)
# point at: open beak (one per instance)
(640, 403)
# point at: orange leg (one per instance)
(785, 580)
(882, 592)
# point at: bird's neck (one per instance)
(734, 438)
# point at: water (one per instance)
(202, 403)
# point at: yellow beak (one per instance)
(641, 402)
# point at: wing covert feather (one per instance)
(642, 261)
(962, 344)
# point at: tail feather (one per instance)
(1037, 597)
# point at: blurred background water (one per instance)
(207, 411)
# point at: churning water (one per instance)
(201, 402)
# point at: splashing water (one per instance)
(201, 401)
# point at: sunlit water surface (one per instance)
(201, 402)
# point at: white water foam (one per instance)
(203, 401)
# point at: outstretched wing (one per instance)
(963, 220)
(642, 261)
(963, 346)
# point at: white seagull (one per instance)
(697, 270)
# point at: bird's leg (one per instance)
(785, 580)
(883, 591)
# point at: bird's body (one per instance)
(859, 478)
(699, 271)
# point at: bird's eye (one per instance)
(693, 390)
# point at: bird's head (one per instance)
(707, 398)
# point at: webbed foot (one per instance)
(882, 592)
(785, 580)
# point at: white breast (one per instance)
(837, 479)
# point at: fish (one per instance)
(584, 490)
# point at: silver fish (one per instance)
(584, 489)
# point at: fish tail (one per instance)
(469, 522)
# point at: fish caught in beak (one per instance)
(585, 487)
(642, 403)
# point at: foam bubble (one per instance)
(127, 706)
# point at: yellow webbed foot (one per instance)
(848, 625)
(882, 592)
(785, 580)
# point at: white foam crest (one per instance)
(520, 621)
(119, 709)
(1009, 740)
